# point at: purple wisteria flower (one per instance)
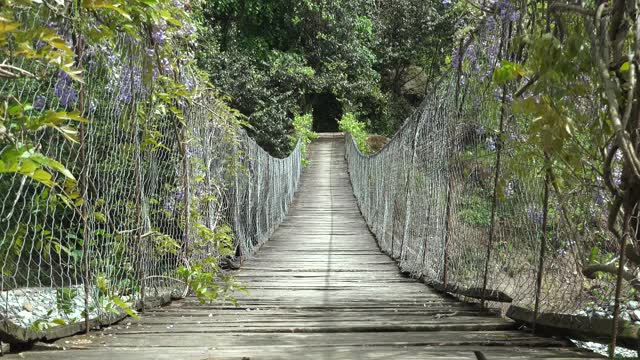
(509, 190)
(112, 60)
(166, 65)
(39, 103)
(158, 33)
(493, 52)
(64, 91)
(40, 44)
(491, 144)
(618, 156)
(93, 106)
(130, 79)
(497, 92)
(616, 171)
(535, 215)
(187, 30)
(200, 189)
(514, 16)
(617, 176)
(154, 74)
(599, 198)
(491, 24)
(455, 59)
(169, 204)
(470, 54)
(476, 105)
(514, 136)
(189, 84)
(507, 12)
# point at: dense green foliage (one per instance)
(275, 59)
(563, 104)
(565, 78)
(349, 123)
(96, 87)
(302, 125)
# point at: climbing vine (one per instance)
(87, 70)
(302, 125)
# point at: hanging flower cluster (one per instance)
(64, 91)
(130, 82)
(158, 33)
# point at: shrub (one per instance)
(302, 125)
(350, 123)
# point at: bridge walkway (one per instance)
(319, 289)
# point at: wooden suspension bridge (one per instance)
(319, 289)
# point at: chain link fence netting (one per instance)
(461, 198)
(153, 193)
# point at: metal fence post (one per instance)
(447, 224)
(408, 182)
(83, 189)
(543, 245)
(494, 201)
(185, 191)
(616, 306)
(141, 247)
(85, 228)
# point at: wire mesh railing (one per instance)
(460, 198)
(428, 197)
(154, 193)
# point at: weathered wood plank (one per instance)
(319, 289)
(475, 293)
(578, 326)
(319, 352)
(441, 338)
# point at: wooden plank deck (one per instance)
(319, 289)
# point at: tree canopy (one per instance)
(278, 58)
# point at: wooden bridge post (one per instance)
(209, 210)
(83, 189)
(84, 214)
(619, 276)
(543, 243)
(494, 201)
(450, 131)
(424, 248)
(408, 182)
(141, 263)
(259, 211)
(236, 205)
(185, 191)
(447, 224)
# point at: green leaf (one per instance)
(625, 66)
(69, 133)
(55, 165)
(42, 176)
(6, 26)
(103, 4)
(124, 306)
(59, 321)
(100, 217)
(508, 71)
